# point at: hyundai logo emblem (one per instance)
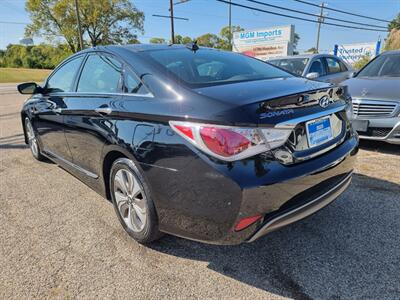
(324, 101)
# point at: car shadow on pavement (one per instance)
(350, 249)
(15, 141)
(381, 147)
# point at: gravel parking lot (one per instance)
(59, 239)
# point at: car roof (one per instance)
(138, 47)
(391, 52)
(303, 56)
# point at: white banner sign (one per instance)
(265, 52)
(265, 43)
(351, 53)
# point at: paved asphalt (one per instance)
(59, 239)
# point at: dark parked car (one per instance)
(200, 143)
(321, 67)
(375, 90)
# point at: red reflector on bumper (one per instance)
(246, 222)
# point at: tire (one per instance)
(132, 202)
(32, 141)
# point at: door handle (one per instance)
(103, 110)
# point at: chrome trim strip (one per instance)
(50, 154)
(161, 167)
(77, 94)
(374, 102)
(293, 122)
(304, 210)
(378, 109)
(323, 150)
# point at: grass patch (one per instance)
(17, 75)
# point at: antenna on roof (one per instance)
(193, 46)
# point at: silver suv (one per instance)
(375, 90)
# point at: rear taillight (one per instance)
(223, 141)
(230, 143)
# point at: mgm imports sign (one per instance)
(265, 43)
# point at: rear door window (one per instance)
(333, 65)
(101, 74)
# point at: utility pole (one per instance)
(171, 10)
(230, 24)
(171, 16)
(320, 20)
(78, 19)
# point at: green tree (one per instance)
(40, 57)
(182, 39)
(312, 50)
(226, 36)
(295, 43)
(393, 40)
(209, 40)
(395, 23)
(103, 21)
(157, 40)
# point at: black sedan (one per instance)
(205, 144)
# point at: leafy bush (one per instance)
(393, 40)
(37, 57)
(362, 62)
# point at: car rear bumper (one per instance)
(281, 194)
(204, 199)
(293, 215)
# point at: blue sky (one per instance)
(209, 16)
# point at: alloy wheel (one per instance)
(33, 144)
(130, 200)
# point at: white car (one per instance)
(321, 67)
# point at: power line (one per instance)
(18, 23)
(343, 12)
(297, 18)
(169, 17)
(314, 15)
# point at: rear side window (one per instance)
(133, 85)
(63, 79)
(333, 65)
(343, 67)
(101, 74)
(293, 65)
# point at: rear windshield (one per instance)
(382, 66)
(293, 65)
(211, 67)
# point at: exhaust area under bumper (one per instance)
(303, 211)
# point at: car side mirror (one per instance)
(29, 88)
(312, 75)
(352, 74)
